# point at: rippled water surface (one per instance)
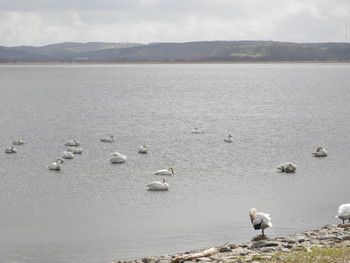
(94, 211)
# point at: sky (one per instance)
(44, 22)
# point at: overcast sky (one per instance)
(43, 22)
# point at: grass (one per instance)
(314, 255)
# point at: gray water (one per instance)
(95, 211)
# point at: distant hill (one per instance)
(203, 51)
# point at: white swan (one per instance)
(143, 149)
(344, 212)
(57, 165)
(197, 131)
(18, 142)
(320, 152)
(108, 139)
(287, 167)
(158, 186)
(68, 154)
(72, 143)
(229, 139)
(260, 220)
(169, 171)
(76, 150)
(11, 150)
(118, 158)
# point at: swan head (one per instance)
(164, 180)
(252, 213)
(171, 169)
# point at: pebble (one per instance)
(263, 249)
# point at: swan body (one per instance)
(143, 149)
(260, 220)
(57, 165)
(11, 150)
(229, 139)
(18, 142)
(108, 139)
(72, 143)
(76, 150)
(118, 158)
(169, 171)
(344, 212)
(320, 152)
(287, 167)
(68, 154)
(158, 186)
(197, 131)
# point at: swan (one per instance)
(169, 171)
(108, 139)
(197, 131)
(118, 158)
(260, 220)
(229, 139)
(76, 150)
(157, 186)
(320, 152)
(143, 149)
(68, 154)
(287, 167)
(72, 143)
(57, 165)
(344, 212)
(18, 142)
(11, 150)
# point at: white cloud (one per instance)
(41, 22)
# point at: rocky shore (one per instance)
(262, 248)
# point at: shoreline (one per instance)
(260, 247)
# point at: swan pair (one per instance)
(260, 220)
(158, 186)
(72, 143)
(108, 139)
(56, 166)
(320, 152)
(11, 149)
(118, 158)
(229, 139)
(344, 212)
(287, 167)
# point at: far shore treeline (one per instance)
(202, 51)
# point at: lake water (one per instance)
(93, 211)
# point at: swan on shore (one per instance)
(143, 149)
(76, 150)
(344, 212)
(118, 158)
(320, 152)
(108, 139)
(287, 167)
(197, 131)
(56, 165)
(260, 220)
(158, 186)
(68, 154)
(72, 143)
(229, 139)
(11, 150)
(169, 171)
(18, 142)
